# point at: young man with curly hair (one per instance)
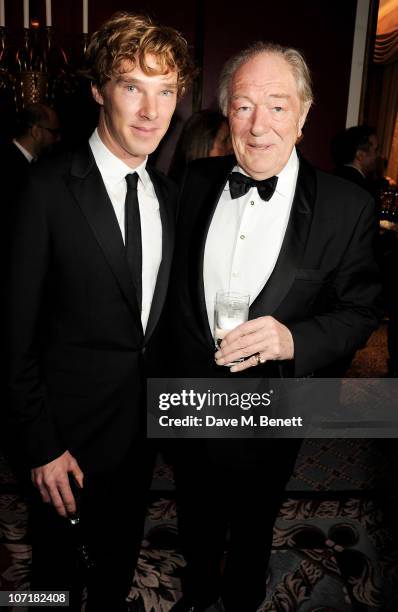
(89, 270)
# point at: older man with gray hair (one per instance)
(299, 241)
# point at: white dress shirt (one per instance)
(245, 237)
(113, 171)
(24, 152)
(356, 168)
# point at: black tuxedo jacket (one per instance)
(13, 160)
(353, 175)
(324, 286)
(14, 171)
(77, 351)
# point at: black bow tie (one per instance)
(239, 184)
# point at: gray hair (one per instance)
(293, 57)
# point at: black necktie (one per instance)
(239, 184)
(132, 226)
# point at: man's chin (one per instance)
(143, 151)
(258, 171)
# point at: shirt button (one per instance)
(242, 236)
(235, 274)
(252, 203)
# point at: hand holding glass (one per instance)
(231, 309)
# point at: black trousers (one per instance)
(229, 486)
(387, 257)
(113, 508)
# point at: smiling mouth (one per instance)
(260, 147)
(144, 130)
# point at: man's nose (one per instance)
(261, 121)
(149, 107)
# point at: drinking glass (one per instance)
(231, 309)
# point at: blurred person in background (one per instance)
(38, 129)
(354, 152)
(205, 134)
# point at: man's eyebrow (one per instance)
(280, 95)
(170, 84)
(273, 95)
(240, 97)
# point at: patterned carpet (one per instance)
(335, 546)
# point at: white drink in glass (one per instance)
(231, 309)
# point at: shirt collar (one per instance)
(355, 168)
(286, 177)
(111, 167)
(24, 152)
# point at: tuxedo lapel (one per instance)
(160, 292)
(208, 205)
(88, 189)
(293, 245)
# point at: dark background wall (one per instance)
(322, 30)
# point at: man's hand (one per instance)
(264, 335)
(53, 483)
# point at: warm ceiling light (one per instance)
(387, 19)
(386, 7)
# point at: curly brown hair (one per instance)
(131, 37)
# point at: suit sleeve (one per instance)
(354, 304)
(28, 415)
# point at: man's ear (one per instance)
(97, 95)
(359, 155)
(36, 132)
(303, 117)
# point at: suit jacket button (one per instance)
(143, 350)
